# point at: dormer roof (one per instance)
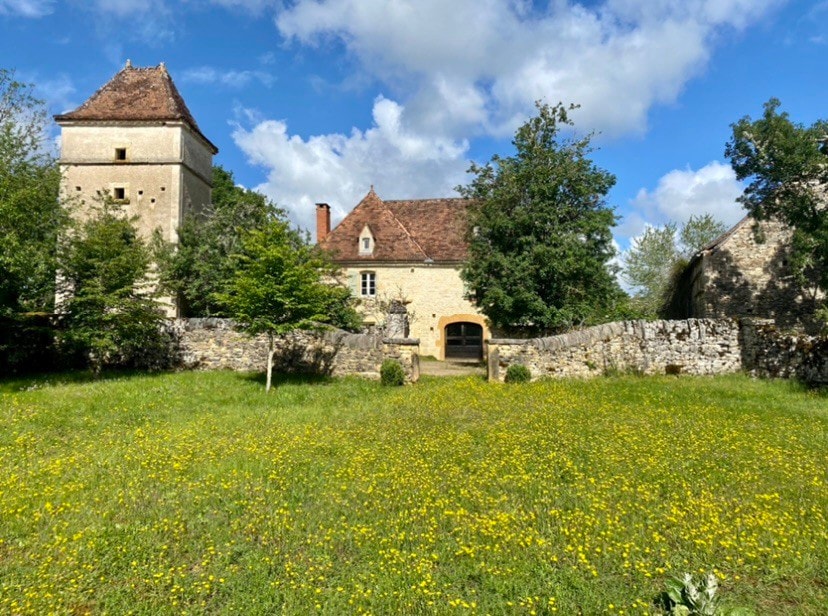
(145, 94)
(413, 230)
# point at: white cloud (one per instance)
(682, 193)
(26, 8)
(229, 78)
(339, 169)
(479, 65)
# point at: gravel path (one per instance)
(451, 368)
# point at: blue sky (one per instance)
(315, 100)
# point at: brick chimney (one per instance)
(323, 221)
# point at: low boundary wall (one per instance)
(692, 346)
(213, 344)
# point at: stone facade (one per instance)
(747, 273)
(692, 346)
(159, 187)
(433, 295)
(213, 344)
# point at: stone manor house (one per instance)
(136, 139)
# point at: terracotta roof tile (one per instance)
(136, 95)
(410, 230)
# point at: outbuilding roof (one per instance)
(145, 94)
(415, 230)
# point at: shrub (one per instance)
(392, 373)
(518, 373)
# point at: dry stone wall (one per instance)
(771, 354)
(213, 344)
(693, 346)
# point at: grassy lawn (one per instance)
(198, 493)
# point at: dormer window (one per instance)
(366, 242)
(120, 153)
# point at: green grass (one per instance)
(198, 493)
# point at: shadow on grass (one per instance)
(280, 379)
(17, 383)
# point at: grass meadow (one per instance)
(198, 493)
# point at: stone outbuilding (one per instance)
(747, 273)
(409, 252)
(136, 139)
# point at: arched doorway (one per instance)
(464, 340)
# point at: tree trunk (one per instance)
(270, 352)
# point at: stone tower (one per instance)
(136, 139)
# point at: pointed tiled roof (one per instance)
(410, 230)
(136, 95)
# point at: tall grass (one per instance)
(198, 493)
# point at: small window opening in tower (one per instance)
(120, 153)
(120, 194)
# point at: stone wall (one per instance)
(693, 346)
(213, 344)
(772, 354)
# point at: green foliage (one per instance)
(785, 165)
(539, 236)
(392, 373)
(110, 318)
(200, 265)
(518, 373)
(698, 232)
(281, 284)
(657, 259)
(30, 219)
(687, 596)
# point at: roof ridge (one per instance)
(404, 228)
(426, 199)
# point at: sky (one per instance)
(317, 100)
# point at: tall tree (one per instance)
(281, 284)
(111, 317)
(539, 235)
(31, 219)
(657, 258)
(785, 165)
(197, 269)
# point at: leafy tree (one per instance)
(656, 259)
(197, 269)
(30, 219)
(698, 232)
(282, 284)
(539, 236)
(110, 316)
(786, 167)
